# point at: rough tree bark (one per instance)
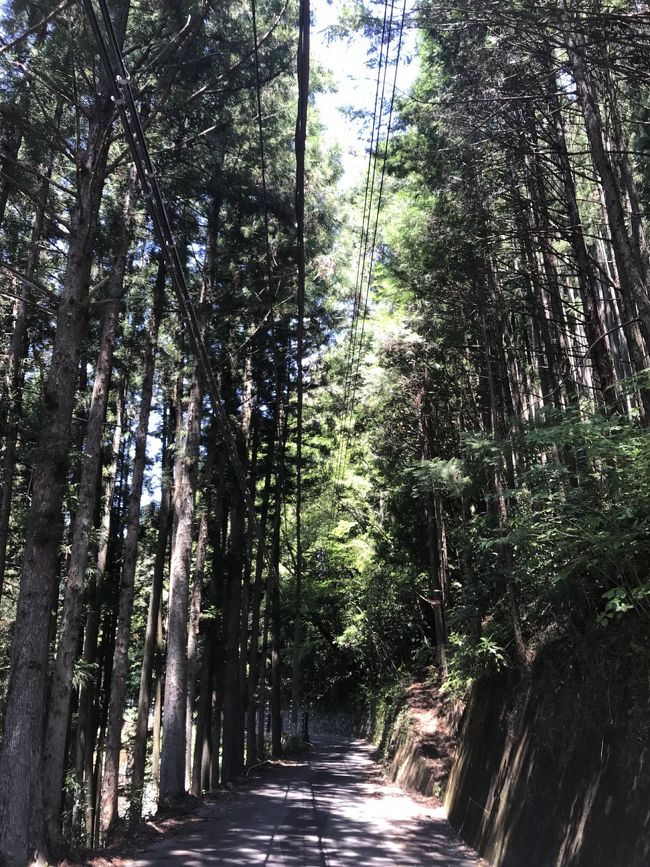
(172, 760)
(173, 755)
(254, 703)
(501, 509)
(595, 328)
(21, 813)
(88, 693)
(275, 623)
(251, 436)
(436, 583)
(202, 758)
(87, 495)
(631, 268)
(193, 630)
(108, 806)
(231, 764)
(151, 632)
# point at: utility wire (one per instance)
(376, 227)
(122, 94)
(354, 348)
(370, 175)
(300, 145)
(365, 224)
(357, 345)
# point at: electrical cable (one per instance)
(369, 185)
(357, 351)
(300, 147)
(354, 348)
(122, 94)
(365, 228)
(365, 225)
(376, 226)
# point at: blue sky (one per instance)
(353, 78)
(355, 83)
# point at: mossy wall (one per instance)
(552, 769)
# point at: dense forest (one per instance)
(268, 446)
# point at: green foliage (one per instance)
(438, 474)
(621, 600)
(84, 673)
(544, 496)
(471, 660)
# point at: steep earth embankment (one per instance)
(417, 740)
(549, 769)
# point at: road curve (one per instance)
(333, 810)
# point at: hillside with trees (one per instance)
(267, 446)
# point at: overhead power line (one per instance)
(371, 265)
(365, 223)
(367, 250)
(120, 86)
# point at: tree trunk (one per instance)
(87, 494)
(193, 632)
(88, 695)
(172, 766)
(551, 300)
(21, 821)
(263, 665)
(274, 603)
(218, 534)
(173, 756)
(151, 633)
(595, 328)
(108, 808)
(203, 743)
(159, 666)
(255, 700)
(250, 430)
(638, 239)
(633, 280)
(109, 604)
(502, 514)
(231, 765)
(206, 754)
(628, 320)
(94, 764)
(546, 367)
(436, 585)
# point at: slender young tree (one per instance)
(151, 634)
(110, 771)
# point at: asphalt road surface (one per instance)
(331, 811)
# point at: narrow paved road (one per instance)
(332, 811)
